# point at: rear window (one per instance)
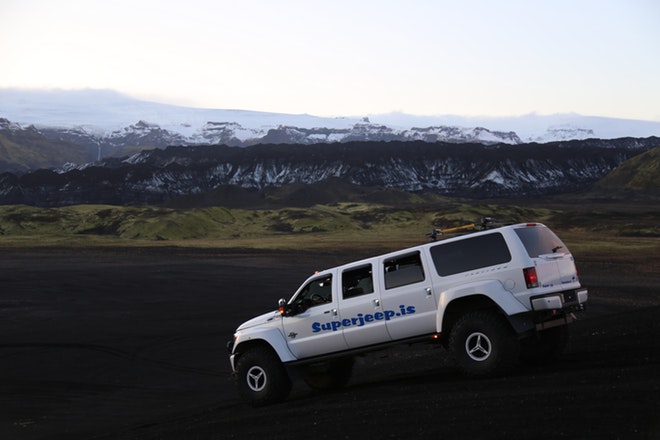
(469, 254)
(540, 241)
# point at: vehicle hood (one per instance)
(260, 320)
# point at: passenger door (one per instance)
(314, 327)
(407, 296)
(363, 320)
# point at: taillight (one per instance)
(530, 277)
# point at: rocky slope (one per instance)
(471, 170)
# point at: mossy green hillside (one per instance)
(317, 227)
(154, 223)
(640, 173)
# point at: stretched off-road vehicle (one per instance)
(491, 297)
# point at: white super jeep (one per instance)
(491, 297)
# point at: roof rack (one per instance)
(485, 223)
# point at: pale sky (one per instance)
(346, 57)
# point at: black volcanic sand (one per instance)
(130, 344)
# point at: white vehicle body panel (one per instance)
(404, 294)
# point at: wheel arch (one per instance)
(251, 344)
(462, 305)
(484, 295)
(272, 339)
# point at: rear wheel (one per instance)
(329, 375)
(261, 378)
(483, 344)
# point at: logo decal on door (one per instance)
(362, 319)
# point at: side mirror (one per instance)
(282, 306)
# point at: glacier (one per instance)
(104, 115)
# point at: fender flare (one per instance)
(490, 289)
(272, 337)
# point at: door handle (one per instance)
(377, 302)
(429, 292)
(334, 312)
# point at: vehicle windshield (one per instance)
(540, 241)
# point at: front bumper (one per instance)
(232, 355)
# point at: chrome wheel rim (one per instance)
(478, 346)
(256, 378)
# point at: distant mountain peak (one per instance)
(104, 123)
(105, 111)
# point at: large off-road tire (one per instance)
(544, 346)
(483, 344)
(329, 375)
(261, 378)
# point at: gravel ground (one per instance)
(130, 344)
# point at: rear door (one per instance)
(407, 297)
(554, 263)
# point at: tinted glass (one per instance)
(318, 291)
(539, 241)
(403, 270)
(469, 254)
(356, 282)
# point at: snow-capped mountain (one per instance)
(107, 120)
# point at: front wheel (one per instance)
(261, 378)
(483, 344)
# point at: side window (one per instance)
(357, 281)
(403, 270)
(469, 254)
(317, 291)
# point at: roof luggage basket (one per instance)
(485, 223)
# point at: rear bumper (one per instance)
(556, 309)
(551, 310)
(569, 300)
